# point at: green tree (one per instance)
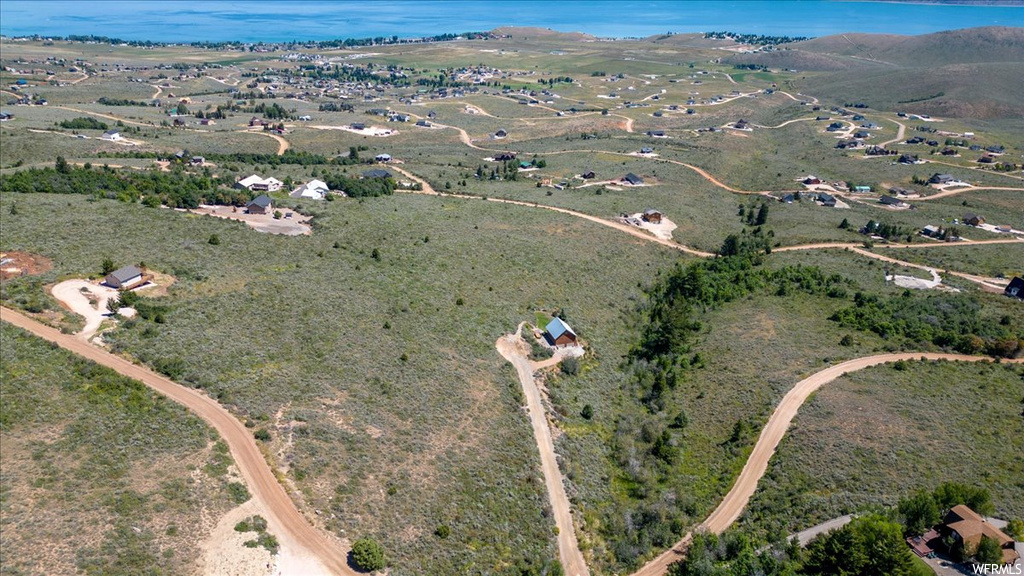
(989, 551)
(587, 412)
(107, 266)
(867, 546)
(952, 494)
(62, 165)
(368, 555)
(845, 224)
(182, 109)
(1016, 529)
(762, 215)
(214, 239)
(918, 513)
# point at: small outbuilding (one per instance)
(124, 278)
(558, 333)
(651, 215)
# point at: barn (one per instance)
(558, 333)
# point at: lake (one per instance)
(274, 21)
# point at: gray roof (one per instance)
(557, 327)
(262, 201)
(652, 211)
(125, 274)
(633, 178)
(376, 173)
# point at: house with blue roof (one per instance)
(558, 333)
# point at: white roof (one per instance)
(273, 182)
(250, 181)
(313, 189)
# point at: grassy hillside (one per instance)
(878, 435)
(100, 475)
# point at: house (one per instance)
(787, 198)
(632, 179)
(376, 173)
(651, 215)
(431, 114)
(656, 133)
(588, 175)
(907, 159)
(741, 124)
(258, 184)
(124, 278)
(966, 529)
(1015, 288)
(198, 160)
(835, 126)
(5, 116)
(505, 156)
(811, 181)
(827, 200)
(558, 333)
(894, 202)
(862, 189)
(972, 219)
(314, 189)
(255, 121)
(931, 231)
(647, 150)
(382, 158)
(357, 126)
(500, 133)
(206, 122)
(112, 135)
(305, 118)
(941, 179)
(261, 204)
(423, 123)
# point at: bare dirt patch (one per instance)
(16, 264)
(295, 225)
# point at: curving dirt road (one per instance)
(512, 348)
(283, 518)
(899, 133)
(757, 463)
(282, 144)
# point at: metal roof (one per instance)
(126, 273)
(262, 201)
(557, 327)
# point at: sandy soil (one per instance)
(512, 348)
(304, 548)
(662, 230)
(915, 282)
(297, 225)
(368, 131)
(224, 551)
(87, 299)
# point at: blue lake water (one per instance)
(282, 20)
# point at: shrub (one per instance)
(368, 555)
(587, 412)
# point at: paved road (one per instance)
(757, 463)
(511, 347)
(283, 518)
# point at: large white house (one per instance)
(112, 135)
(315, 189)
(257, 183)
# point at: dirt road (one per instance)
(899, 133)
(513, 349)
(285, 521)
(107, 116)
(757, 463)
(73, 294)
(282, 144)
